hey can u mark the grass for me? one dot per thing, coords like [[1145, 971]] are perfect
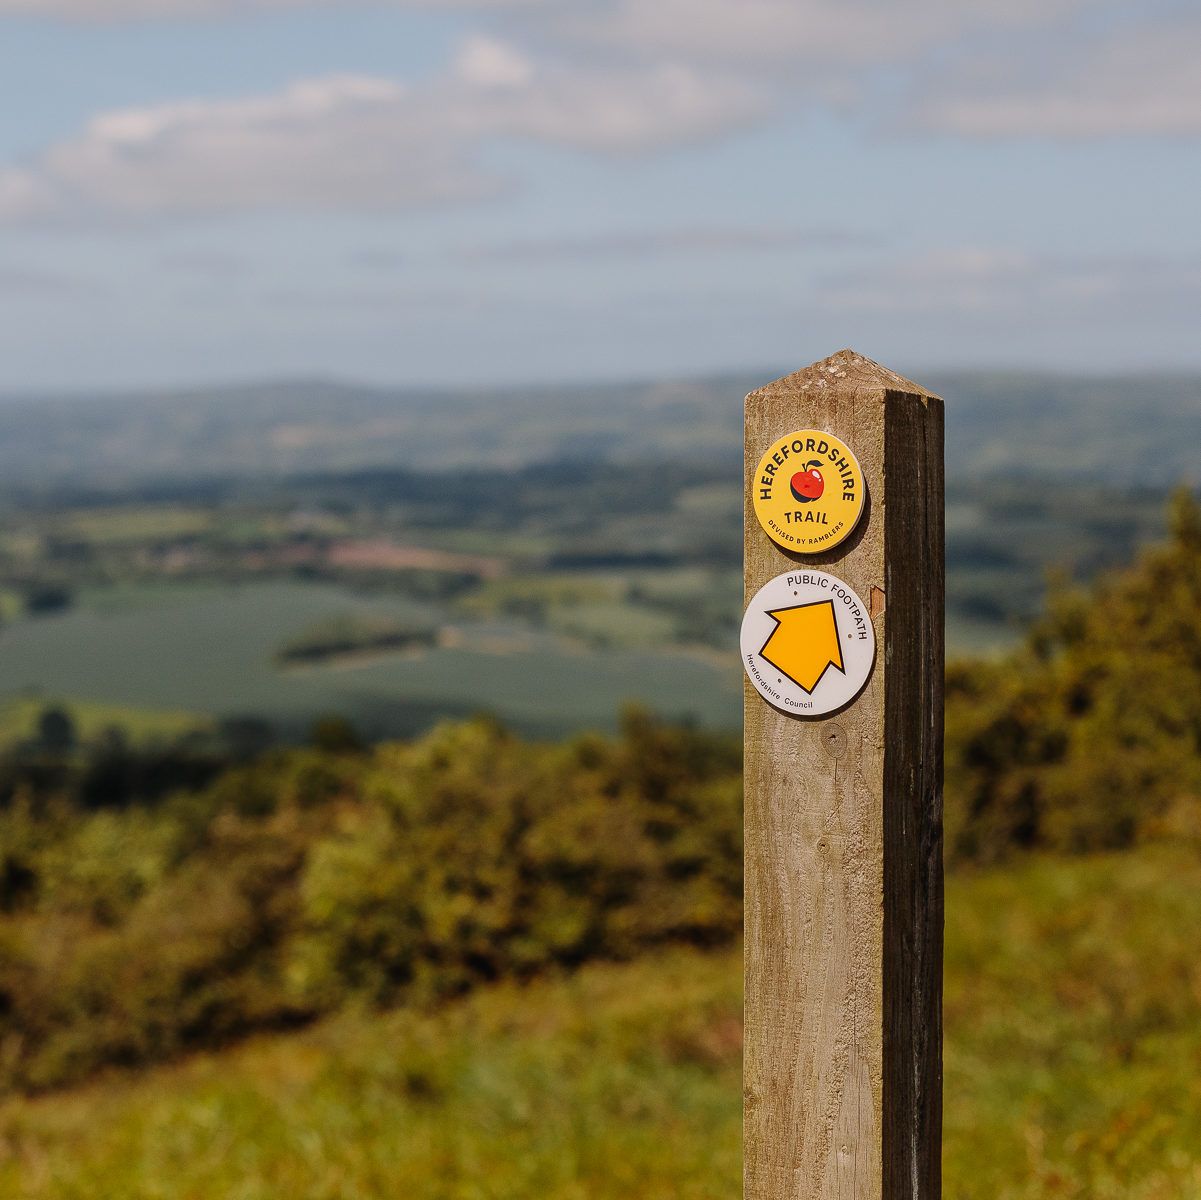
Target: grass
[[221, 643], [138, 523], [19, 718], [570, 1089], [630, 609], [12, 605], [1073, 1016], [1073, 1070]]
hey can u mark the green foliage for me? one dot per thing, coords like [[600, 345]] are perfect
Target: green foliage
[[44, 599], [148, 909], [1072, 1040], [19, 721], [56, 730], [107, 770], [1090, 736], [1073, 1018], [335, 735], [347, 634], [613, 1083], [476, 856], [294, 884], [304, 879]]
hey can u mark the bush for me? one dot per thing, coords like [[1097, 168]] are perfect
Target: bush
[[476, 856], [407, 873], [1091, 733]]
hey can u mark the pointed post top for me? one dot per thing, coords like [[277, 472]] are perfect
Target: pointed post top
[[842, 1075], [845, 369]]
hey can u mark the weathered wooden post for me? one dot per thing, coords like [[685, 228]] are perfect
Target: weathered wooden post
[[843, 649]]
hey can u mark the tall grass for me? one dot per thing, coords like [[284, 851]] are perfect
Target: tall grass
[[1073, 1071]]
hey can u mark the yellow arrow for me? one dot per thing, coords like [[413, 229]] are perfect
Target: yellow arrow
[[804, 643]]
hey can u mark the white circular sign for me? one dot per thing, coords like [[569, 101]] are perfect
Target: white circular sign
[[807, 643]]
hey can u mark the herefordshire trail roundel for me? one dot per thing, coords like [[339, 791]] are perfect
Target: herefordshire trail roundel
[[808, 644], [808, 491]]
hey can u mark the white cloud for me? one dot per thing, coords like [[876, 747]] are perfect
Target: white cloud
[[980, 306], [362, 143], [1142, 82], [105, 11], [319, 144], [827, 34], [964, 66], [487, 62], [496, 91], [613, 77], [855, 30], [985, 282]]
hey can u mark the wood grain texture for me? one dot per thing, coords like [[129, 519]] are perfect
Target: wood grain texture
[[914, 571], [843, 829]]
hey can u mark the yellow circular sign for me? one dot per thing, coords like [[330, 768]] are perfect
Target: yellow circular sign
[[808, 491]]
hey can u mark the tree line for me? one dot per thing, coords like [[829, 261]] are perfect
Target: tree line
[[156, 900]]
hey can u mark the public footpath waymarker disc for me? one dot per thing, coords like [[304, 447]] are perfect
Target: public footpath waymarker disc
[[808, 491], [807, 643]]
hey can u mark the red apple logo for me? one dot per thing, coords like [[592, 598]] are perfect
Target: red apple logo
[[809, 484]]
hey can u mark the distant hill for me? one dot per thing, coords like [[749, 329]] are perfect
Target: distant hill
[[1139, 431], [302, 428]]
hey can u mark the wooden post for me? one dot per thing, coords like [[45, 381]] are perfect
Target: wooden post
[[843, 1059]]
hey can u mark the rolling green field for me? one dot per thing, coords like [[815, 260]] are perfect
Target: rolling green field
[[211, 648], [178, 904], [1073, 1014], [19, 719], [569, 594]]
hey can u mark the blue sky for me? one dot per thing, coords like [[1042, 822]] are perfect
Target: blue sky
[[535, 190]]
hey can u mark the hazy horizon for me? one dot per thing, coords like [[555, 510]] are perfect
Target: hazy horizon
[[551, 191], [182, 388]]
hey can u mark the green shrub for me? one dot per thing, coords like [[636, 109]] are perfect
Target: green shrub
[[476, 856], [408, 873], [1091, 734]]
